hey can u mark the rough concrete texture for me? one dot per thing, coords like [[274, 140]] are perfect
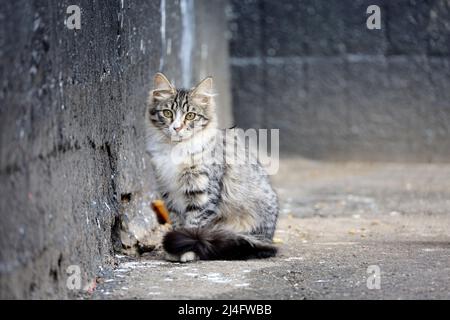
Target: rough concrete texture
[[336, 221], [74, 174], [312, 69]]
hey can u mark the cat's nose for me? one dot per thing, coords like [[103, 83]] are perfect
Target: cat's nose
[[178, 129]]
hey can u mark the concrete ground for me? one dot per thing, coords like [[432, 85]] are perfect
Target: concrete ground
[[336, 221]]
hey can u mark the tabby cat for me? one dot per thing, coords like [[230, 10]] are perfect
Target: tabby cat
[[219, 209]]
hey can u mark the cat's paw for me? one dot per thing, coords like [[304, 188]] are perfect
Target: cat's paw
[[185, 257], [172, 257], [188, 256]]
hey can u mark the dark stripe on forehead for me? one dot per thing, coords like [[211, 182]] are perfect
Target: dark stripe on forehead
[[185, 106], [175, 101], [179, 100], [182, 96]]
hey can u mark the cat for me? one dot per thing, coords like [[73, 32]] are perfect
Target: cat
[[219, 210]]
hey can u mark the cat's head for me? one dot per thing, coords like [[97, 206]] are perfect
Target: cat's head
[[181, 113]]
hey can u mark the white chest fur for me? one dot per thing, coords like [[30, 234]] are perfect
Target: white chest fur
[[172, 160], [168, 176]]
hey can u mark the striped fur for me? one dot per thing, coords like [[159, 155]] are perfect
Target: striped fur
[[219, 210]]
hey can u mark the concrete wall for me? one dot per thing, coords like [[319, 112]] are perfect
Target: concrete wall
[[72, 132], [337, 90]]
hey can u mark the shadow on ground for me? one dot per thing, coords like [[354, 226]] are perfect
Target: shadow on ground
[[336, 221]]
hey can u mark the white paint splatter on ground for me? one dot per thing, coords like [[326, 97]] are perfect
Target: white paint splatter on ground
[[216, 278], [242, 284], [189, 274], [294, 259]]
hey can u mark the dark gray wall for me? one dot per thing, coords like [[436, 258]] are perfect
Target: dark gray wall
[[337, 90], [71, 122]]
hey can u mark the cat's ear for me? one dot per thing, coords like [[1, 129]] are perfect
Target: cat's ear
[[203, 93], [162, 88]]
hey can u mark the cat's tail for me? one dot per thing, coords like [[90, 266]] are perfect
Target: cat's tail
[[216, 244]]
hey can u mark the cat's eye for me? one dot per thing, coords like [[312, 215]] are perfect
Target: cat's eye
[[167, 113], [190, 116]]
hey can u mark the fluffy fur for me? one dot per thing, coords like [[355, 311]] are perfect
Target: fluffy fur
[[215, 244], [220, 209]]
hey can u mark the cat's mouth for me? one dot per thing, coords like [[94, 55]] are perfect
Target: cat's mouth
[[180, 136]]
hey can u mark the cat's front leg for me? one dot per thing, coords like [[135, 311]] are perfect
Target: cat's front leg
[[188, 256]]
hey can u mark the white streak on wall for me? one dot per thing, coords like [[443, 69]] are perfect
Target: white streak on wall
[[187, 41], [169, 46], [163, 34]]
